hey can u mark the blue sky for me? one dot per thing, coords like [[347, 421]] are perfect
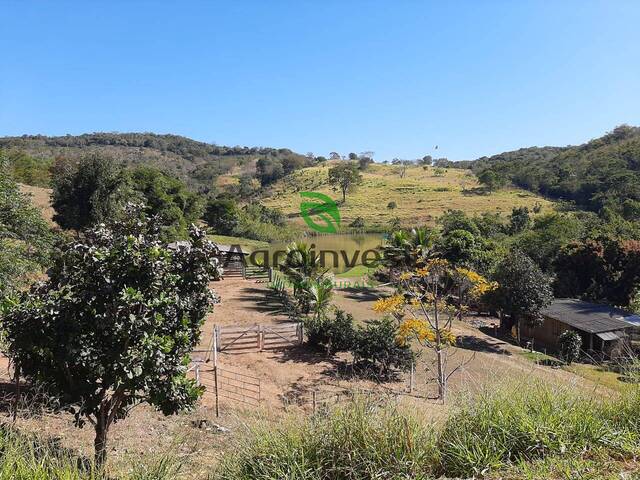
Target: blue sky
[[396, 77]]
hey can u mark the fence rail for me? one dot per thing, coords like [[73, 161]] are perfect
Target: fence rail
[[257, 337], [228, 384]]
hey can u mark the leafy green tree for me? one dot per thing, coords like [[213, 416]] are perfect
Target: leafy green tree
[[457, 220], [405, 250], [221, 215], [269, 170], [26, 242], [166, 199], [345, 177], [523, 291], [492, 180], [114, 323], [519, 219], [88, 191], [570, 344]]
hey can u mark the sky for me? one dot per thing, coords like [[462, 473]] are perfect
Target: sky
[[397, 77]]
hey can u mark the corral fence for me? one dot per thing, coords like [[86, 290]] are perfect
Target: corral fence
[[239, 339], [228, 383]]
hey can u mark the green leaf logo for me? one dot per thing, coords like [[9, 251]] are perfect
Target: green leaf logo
[[326, 209]]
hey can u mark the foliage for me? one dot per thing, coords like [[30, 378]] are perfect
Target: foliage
[[28, 170], [603, 173], [601, 270], [221, 215], [405, 250], [357, 223], [332, 334], [377, 346], [87, 192], [166, 199], [26, 243], [115, 322], [196, 163], [519, 220], [492, 180], [428, 300], [392, 205], [344, 177], [523, 291], [570, 344]]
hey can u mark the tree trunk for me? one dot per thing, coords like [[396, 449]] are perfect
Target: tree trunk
[[344, 195], [100, 444], [442, 379]]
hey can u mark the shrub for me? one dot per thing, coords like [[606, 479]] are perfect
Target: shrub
[[570, 343], [221, 215], [392, 205], [358, 222], [376, 346], [335, 334]]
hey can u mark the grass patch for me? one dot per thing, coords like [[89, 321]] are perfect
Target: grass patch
[[520, 431], [245, 243], [356, 272], [599, 375], [27, 457], [382, 184], [539, 357]]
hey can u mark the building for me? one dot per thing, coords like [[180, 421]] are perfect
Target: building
[[601, 327]]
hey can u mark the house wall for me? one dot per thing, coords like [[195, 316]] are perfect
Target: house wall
[[546, 334]]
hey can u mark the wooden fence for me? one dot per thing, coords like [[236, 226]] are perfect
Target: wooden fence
[[257, 337]]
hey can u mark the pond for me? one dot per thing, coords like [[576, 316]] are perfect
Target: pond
[[339, 253]]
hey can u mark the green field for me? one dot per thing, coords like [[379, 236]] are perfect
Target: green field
[[420, 196]]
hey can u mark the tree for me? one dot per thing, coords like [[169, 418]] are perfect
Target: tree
[[26, 242], [492, 180], [364, 162], [221, 215], [376, 344], [523, 289], [428, 299], [268, 170], [570, 344], [88, 191], [345, 177], [167, 199], [519, 219], [115, 322]]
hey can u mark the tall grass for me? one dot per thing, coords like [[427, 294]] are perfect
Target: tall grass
[[26, 457], [506, 430], [359, 442]]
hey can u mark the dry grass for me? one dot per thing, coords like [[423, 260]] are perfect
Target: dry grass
[[420, 196]]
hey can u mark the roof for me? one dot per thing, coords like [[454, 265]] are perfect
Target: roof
[[588, 317]]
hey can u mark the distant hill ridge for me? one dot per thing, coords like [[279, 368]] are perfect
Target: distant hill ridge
[[602, 173], [196, 162]]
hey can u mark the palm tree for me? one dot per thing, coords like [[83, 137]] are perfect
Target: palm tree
[[407, 249], [301, 264]]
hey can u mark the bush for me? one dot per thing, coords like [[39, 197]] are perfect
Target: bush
[[570, 343], [376, 346], [332, 334], [358, 222], [392, 205]]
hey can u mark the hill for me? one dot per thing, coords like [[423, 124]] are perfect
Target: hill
[[420, 196], [198, 163], [604, 172]]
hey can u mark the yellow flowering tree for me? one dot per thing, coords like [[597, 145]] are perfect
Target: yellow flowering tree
[[428, 299]]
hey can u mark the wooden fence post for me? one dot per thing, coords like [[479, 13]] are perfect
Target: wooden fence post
[[198, 374], [17, 399], [313, 400], [411, 377], [215, 345], [215, 381]]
